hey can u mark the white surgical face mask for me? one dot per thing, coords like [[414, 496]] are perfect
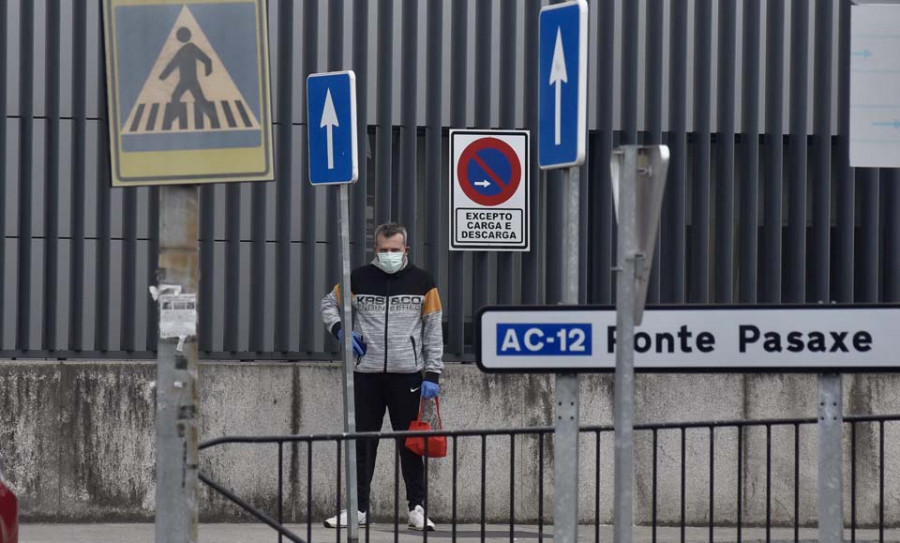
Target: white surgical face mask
[[390, 262]]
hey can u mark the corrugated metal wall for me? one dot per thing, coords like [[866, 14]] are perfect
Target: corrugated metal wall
[[752, 97]]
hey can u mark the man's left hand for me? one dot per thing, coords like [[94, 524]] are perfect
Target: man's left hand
[[430, 389]]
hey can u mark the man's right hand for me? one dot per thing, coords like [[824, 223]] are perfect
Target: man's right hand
[[359, 346]]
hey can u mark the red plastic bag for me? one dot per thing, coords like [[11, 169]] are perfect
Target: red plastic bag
[[437, 445]]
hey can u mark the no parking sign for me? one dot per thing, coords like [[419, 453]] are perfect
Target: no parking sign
[[489, 190]]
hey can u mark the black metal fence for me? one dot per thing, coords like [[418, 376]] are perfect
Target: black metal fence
[[678, 488], [752, 97]]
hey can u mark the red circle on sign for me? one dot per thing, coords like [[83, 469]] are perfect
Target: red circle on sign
[[507, 189]]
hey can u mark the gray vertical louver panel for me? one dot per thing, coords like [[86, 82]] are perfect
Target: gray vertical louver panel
[[433, 182], [284, 176], [771, 288], [335, 63], [842, 259], [4, 126], [409, 53], [359, 193], [384, 131], [752, 98], [52, 144], [483, 54], [310, 297], [891, 271], [820, 250], [458, 64], [653, 111], [748, 249], [724, 177], [673, 248], [795, 247], [26, 167], [531, 261], [700, 254], [509, 15]]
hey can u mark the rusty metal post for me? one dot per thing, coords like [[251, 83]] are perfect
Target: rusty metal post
[[178, 281]]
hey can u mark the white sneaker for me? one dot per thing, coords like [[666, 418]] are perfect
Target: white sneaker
[[333, 521], [417, 520]]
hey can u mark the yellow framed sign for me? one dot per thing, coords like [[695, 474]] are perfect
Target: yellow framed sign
[[189, 91]]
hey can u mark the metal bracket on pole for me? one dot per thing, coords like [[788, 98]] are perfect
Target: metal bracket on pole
[[831, 481], [347, 348], [565, 446]]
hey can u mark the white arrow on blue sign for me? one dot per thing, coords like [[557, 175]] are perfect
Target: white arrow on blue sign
[[331, 112], [562, 125]]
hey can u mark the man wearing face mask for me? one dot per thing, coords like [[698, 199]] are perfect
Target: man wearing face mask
[[398, 343]]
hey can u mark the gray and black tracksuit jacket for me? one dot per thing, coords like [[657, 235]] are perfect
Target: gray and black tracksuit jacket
[[399, 316]]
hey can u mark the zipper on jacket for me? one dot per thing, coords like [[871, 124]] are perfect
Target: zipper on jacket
[[387, 308], [415, 352]]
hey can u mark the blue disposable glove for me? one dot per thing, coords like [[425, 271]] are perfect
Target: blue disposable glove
[[430, 389], [359, 346]]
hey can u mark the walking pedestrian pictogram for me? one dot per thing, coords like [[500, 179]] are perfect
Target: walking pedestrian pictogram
[[189, 91], [189, 88]]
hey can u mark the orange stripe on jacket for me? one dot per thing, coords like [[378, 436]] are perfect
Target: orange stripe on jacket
[[432, 302], [337, 294]]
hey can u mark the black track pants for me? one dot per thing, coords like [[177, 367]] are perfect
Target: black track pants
[[400, 394]]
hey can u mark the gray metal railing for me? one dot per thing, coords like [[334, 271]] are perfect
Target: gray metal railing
[[690, 500]]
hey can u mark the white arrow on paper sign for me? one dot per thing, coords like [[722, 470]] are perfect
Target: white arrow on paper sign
[[329, 121], [558, 76], [484, 183]]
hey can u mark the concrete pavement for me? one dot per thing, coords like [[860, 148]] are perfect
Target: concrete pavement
[[384, 533]]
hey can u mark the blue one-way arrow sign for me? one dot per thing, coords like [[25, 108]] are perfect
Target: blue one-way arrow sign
[[331, 112], [563, 85]]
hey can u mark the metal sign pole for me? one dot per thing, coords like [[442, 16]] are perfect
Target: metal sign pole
[[624, 380], [176, 382], [831, 481], [349, 405], [565, 464]]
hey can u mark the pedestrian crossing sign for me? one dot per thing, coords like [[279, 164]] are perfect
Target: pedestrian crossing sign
[[188, 88]]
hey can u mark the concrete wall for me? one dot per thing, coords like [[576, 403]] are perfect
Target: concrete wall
[[77, 439]]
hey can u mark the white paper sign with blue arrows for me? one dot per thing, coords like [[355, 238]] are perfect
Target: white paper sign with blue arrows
[[875, 86], [331, 112], [562, 126]]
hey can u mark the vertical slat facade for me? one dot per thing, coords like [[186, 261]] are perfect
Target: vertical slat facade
[[309, 296], [26, 167], [483, 55], [771, 287], [795, 246], [748, 250], [724, 179], [4, 128], [51, 176], [673, 241], [531, 263], [507, 105], [699, 285], [653, 86], [456, 305], [752, 98]]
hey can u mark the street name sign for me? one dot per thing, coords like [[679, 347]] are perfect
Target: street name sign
[[562, 116], [331, 110], [489, 190], [828, 338], [188, 87]]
